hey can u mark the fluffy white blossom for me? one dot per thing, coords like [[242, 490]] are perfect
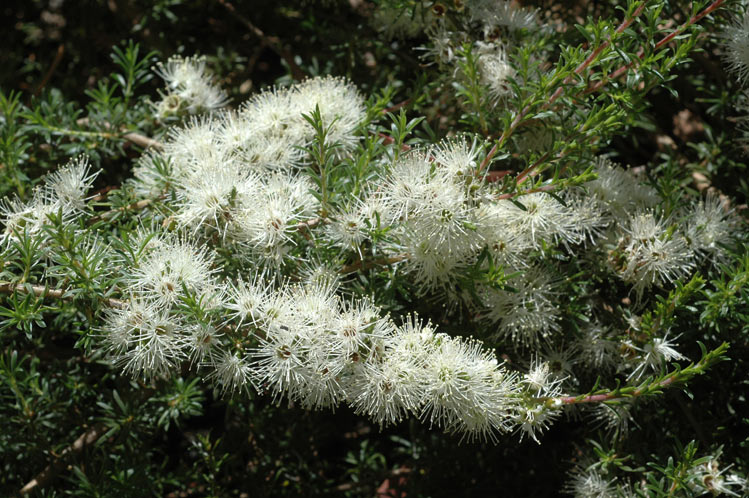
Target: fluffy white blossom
[[62, 194], [495, 69], [709, 477], [173, 270], [736, 44], [524, 311], [189, 86], [710, 225], [651, 252], [591, 483], [619, 190], [654, 354], [493, 13]]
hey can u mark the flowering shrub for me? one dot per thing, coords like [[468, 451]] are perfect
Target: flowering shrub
[[470, 251]]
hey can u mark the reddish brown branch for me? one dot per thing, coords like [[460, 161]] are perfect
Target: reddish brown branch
[[396, 106], [560, 90], [666, 39], [599, 398]]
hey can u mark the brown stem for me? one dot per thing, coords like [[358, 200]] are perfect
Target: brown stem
[[44, 292], [365, 265], [55, 62], [44, 477], [272, 41], [142, 140], [626, 67], [130, 136], [396, 106], [560, 90]]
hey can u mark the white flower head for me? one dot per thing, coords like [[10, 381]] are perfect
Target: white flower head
[[710, 225], [68, 186], [189, 85], [505, 13], [619, 190], [710, 478], [736, 43], [526, 312], [155, 344], [657, 351], [590, 483], [458, 157], [495, 69], [173, 267], [650, 253], [341, 107], [230, 372]]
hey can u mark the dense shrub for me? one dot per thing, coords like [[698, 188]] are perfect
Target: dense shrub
[[388, 247]]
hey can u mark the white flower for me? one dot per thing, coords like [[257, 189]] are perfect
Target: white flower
[[388, 390], [193, 145], [736, 54], [230, 371], [457, 157], [613, 417], [202, 341], [68, 186], [172, 268], [502, 13], [281, 362], [463, 391], [155, 341], [495, 69], [708, 477], [656, 352], [341, 107], [649, 253], [30, 218], [526, 312], [543, 219], [710, 225], [247, 300], [214, 196], [596, 348], [590, 483], [189, 84], [542, 381], [619, 190]]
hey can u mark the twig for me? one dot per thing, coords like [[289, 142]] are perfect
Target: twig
[[272, 41], [560, 90], [55, 62], [130, 136], [130, 207], [44, 292], [396, 106], [365, 265], [142, 140], [44, 477], [626, 67], [677, 376]]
